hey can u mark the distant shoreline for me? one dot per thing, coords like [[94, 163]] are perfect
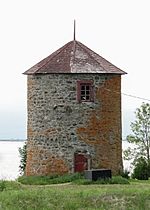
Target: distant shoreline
[[13, 140]]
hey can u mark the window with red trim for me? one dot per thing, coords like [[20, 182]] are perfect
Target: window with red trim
[[85, 91]]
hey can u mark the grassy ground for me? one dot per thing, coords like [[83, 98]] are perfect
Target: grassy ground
[[76, 178], [16, 196]]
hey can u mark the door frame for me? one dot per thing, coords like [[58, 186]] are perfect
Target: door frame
[[85, 155]]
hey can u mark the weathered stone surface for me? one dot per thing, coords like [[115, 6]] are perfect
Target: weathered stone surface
[[59, 126]]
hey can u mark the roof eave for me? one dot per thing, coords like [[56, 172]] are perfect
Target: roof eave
[[38, 73]]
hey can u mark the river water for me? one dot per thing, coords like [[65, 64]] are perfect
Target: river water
[[10, 159]]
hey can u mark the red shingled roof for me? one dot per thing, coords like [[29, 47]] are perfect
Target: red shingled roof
[[74, 57]]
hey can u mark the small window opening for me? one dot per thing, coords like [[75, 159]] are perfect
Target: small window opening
[[85, 91]]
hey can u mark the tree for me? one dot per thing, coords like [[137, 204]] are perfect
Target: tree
[[140, 137]]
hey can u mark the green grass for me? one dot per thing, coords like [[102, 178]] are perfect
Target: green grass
[[45, 180], [76, 178], [136, 181], [75, 197], [114, 180], [9, 185]]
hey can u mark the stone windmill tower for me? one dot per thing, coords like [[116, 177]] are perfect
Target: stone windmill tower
[[74, 113]]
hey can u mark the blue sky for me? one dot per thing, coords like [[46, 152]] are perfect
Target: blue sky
[[118, 30]]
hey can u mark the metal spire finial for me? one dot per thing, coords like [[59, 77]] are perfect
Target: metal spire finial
[[74, 34]]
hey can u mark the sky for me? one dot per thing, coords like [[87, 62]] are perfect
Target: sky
[[118, 30]]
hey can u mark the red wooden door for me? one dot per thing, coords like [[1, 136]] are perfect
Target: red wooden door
[[80, 163]]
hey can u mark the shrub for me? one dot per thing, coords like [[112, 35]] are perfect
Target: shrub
[[2, 185], [23, 155], [141, 170], [125, 174], [119, 180]]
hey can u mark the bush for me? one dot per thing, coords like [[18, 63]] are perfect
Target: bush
[[2, 185], [119, 180], [23, 155], [141, 170], [125, 174]]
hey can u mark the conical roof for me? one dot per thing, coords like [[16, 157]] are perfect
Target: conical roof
[[74, 57]]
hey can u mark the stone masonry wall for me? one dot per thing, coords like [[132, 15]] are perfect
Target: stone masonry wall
[[59, 126]]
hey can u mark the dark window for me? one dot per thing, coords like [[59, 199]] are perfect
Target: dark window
[[85, 91]]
